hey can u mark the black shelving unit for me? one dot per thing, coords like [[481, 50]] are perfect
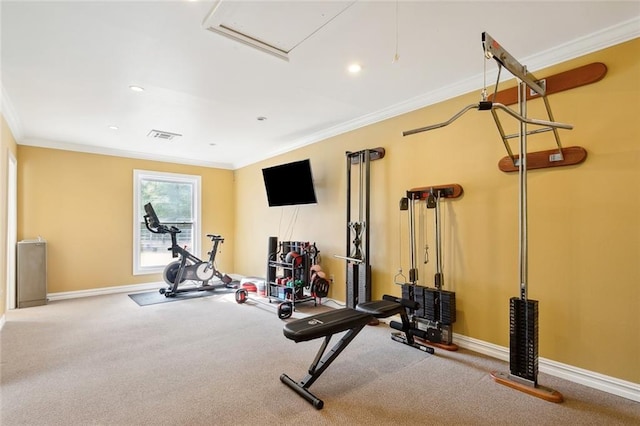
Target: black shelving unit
[[289, 271]]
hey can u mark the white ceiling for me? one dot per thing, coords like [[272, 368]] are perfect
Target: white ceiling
[[66, 67]]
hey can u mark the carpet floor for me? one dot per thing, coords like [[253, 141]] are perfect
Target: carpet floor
[[104, 360]]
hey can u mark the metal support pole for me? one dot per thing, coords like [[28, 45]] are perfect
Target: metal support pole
[[413, 271], [348, 242], [522, 174], [439, 277], [367, 213]]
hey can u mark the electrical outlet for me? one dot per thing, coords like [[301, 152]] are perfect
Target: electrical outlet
[[331, 277]]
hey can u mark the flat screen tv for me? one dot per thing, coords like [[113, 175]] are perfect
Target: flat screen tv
[[289, 184]]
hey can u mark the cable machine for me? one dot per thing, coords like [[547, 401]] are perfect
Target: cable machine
[[358, 230], [433, 320], [523, 315]]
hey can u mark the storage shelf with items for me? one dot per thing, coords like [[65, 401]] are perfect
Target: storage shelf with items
[[289, 271]]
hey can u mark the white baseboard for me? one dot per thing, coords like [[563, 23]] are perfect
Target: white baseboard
[[105, 290], [584, 377], [573, 374], [115, 289]]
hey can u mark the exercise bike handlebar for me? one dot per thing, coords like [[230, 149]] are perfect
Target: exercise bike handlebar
[[160, 228], [153, 224]]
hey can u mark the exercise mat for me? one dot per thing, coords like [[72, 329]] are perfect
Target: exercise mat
[[154, 297]]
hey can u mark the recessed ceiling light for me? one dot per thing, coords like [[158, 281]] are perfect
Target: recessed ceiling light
[[212, 144], [137, 88], [354, 68], [113, 127], [261, 118]]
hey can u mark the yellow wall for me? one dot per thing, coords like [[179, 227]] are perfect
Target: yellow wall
[[7, 147], [82, 205], [584, 232]]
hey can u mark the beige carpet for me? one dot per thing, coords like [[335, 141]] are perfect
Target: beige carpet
[[107, 361]]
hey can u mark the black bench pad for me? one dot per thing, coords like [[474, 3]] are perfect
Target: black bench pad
[[324, 324], [380, 308]]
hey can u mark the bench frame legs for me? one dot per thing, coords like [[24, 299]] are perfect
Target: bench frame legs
[[320, 364]]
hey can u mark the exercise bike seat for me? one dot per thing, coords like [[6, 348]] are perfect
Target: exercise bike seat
[[325, 324], [380, 308]]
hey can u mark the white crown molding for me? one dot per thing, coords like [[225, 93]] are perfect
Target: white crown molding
[[579, 47], [92, 149], [10, 116], [594, 42], [584, 45]]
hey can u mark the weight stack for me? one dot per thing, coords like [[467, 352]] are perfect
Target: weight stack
[[523, 339], [358, 284], [352, 288], [440, 306], [447, 307], [430, 304], [364, 283], [408, 294], [419, 297]]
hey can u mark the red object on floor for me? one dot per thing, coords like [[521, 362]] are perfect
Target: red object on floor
[[251, 287]]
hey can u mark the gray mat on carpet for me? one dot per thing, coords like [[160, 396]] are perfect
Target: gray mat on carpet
[[154, 297]]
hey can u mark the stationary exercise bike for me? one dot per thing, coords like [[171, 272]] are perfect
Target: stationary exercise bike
[[188, 267]]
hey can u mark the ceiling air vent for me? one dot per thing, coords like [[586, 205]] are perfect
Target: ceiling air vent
[[159, 134]]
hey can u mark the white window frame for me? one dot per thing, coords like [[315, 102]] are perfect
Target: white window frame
[[138, 215]]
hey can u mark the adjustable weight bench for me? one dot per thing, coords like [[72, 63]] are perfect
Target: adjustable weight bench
[[352, 321]]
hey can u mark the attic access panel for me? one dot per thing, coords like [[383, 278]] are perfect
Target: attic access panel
[[272, 27]]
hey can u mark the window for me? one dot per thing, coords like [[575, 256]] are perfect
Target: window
[[176, 201]]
